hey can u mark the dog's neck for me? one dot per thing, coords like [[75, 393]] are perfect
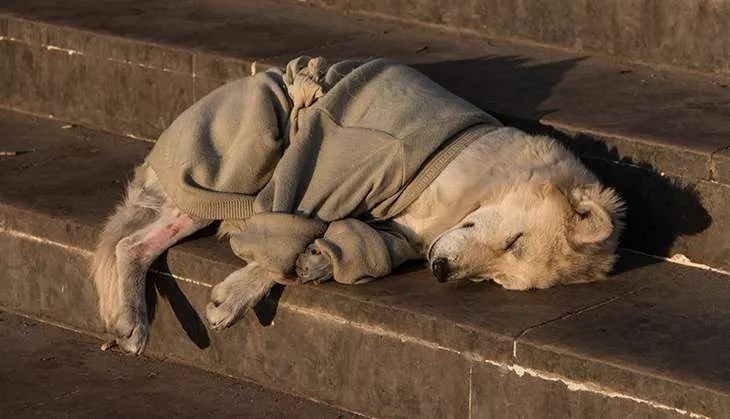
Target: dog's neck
[[461, 188]]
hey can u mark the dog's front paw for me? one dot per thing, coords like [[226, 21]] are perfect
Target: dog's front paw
[[130, 331], [242, 290], [228, 304], [313, 266]]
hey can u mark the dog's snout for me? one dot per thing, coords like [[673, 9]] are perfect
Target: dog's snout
[[440, 269]]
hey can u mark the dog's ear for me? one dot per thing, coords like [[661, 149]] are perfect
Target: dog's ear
[[591, 222]]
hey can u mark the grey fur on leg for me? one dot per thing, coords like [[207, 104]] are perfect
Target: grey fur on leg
[[138, 208], [239, 292], [142, 227]]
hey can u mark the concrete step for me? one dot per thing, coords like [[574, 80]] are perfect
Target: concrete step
[[126, 66], [648, 342], [49, 372], [691, 34]]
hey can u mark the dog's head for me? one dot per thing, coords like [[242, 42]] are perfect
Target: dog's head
[[534, 236]]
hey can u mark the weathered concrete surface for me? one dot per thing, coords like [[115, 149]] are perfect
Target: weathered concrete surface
[[202, 40], [720, 166], [685, 33], [657, 136], [404, 346], [501, 393], [47, 372], [639, 332]]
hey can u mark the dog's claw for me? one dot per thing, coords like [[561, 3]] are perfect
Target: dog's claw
[[221, 316], [233, 297], [129, 332], [108, 345], [135, 342], [313, 266]]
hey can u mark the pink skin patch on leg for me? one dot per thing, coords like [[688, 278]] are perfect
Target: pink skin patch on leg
[[156, 240]]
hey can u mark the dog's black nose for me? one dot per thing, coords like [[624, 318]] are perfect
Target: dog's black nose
[[440, 269]]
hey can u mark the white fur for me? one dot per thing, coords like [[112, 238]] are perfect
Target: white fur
[[145, 225], [511, 183]]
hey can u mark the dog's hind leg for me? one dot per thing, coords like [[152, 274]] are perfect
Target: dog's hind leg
[[135, 253], [142, 228]]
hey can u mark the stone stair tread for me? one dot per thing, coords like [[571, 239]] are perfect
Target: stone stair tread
[[51, 372], [681, 112], [654, 330]]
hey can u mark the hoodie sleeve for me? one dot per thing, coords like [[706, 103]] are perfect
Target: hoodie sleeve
[[274, 240], [360, 253]]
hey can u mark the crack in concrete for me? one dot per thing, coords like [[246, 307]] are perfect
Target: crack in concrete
[[571, 314], [138, 138], [36, 239], [69, 51], [711, 168], [180, 278], [519, 370], [471, 386], [588, 308], [590, 387], [674, 259]]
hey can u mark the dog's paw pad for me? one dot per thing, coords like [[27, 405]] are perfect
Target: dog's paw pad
[[220, 316], [131, 336], [229, 302]]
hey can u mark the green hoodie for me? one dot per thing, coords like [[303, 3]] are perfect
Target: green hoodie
[[358, 139]]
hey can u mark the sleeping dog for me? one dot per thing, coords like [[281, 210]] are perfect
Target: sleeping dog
[[343, 172]]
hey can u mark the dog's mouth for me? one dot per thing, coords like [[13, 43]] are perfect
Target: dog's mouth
[[429, 253], [440, 269], [443, 271], [439, 266]]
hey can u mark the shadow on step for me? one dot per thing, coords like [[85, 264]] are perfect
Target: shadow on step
[[165, 287], [660, 209], [501, 83]]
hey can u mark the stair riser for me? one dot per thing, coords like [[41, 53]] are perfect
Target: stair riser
[[306, 352]]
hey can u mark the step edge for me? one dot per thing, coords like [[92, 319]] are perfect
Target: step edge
[[511, 364], [546, 121]]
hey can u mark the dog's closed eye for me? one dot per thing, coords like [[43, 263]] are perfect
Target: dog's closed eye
[[467, 225], [510, 244]]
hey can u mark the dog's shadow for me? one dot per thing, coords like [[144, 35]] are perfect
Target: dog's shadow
[[162, 284], [523, 85], [660, 208]]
